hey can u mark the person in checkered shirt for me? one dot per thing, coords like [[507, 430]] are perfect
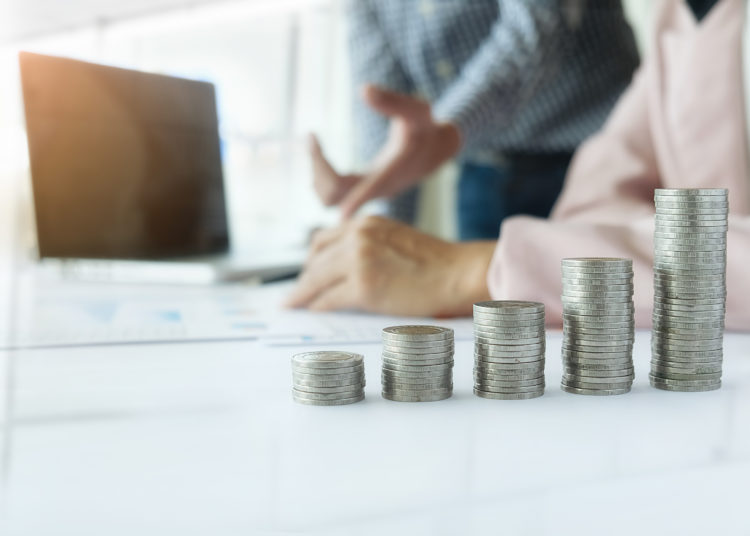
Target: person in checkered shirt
[[509, 88]]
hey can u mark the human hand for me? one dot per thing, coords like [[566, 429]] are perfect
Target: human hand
[[416, 146], [382, 266], [330, 186]]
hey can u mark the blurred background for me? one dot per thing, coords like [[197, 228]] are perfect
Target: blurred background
[[280, 68]]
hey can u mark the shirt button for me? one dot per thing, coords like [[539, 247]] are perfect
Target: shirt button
[[445, 69]]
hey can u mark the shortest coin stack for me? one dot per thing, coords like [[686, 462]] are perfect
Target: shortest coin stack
[[328, 378], [509, 350], [417, 363]]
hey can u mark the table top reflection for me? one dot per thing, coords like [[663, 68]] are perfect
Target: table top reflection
[[205, 438]]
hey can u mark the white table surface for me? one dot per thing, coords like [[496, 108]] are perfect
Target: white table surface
[[205, 439]]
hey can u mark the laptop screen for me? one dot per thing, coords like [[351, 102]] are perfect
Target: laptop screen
[[124, 164]]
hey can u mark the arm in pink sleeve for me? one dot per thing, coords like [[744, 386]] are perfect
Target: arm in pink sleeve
[[605, 209]]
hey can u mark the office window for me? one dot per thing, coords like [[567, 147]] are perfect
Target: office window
[[280, 71]]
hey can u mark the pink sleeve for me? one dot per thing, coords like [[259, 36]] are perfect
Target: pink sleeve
[[606, 209]]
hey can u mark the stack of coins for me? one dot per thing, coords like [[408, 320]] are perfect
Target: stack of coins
[[328, 378], [690, 247], [417, 363], [509, 349], [598, 326]]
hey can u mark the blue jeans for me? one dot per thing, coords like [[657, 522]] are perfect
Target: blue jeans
[[527, 184]]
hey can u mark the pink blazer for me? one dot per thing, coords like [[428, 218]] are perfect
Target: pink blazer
[[680, 124]]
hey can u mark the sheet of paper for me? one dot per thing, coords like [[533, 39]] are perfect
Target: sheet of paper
[[49, 314]]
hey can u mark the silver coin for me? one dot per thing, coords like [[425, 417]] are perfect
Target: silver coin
[[507, 325], [329, 383], [353, 389], [594, 392], [327, 359], [680, 383], [421, 363], [691, 268], [597, 284], [692, 354], [712, 304], [695, 286], [587, 285], [397, 375], [416, 392], [509, 368], [687, 338], [512, 307], [583, 322], [503, 341], [583, 330], [693, 255], [669, 330], [596, 352], [619, 338], [339, 402], [417, 367], [427, 350], [595, 381], [682, 279], [512, 319], [696, 217], [612, 296], [325, 396], [419, 398], [692, 200], [480, 359], [610, 307], [485, 388], [328, 372], [615, 386], [418, 357], [663, 369], [510, 337], [605, 262], [409, 346], [599, 367], [701, 244], [660, 368], [531, 351], [509, 333], [665, 387], [672, 376], [664, 345], [685, 361], [535, 382], [614, 364], [508, 396], [597, 346], [349, 376], [480, 375], [687, 295], [690, 192], [585, 372], [390, 386], [706, 210], [417, 333]]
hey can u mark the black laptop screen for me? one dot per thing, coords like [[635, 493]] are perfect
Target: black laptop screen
[[124, 164]]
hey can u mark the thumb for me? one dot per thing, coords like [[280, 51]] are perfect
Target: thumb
[[394, 104], [319, 160]]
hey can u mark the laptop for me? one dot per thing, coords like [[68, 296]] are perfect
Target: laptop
[[127, 178]]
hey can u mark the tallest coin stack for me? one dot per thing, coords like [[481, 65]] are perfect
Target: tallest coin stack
[[690, 249]]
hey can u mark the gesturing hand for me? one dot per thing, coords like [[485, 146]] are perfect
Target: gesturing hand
[[415, 147], [378, 265]]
